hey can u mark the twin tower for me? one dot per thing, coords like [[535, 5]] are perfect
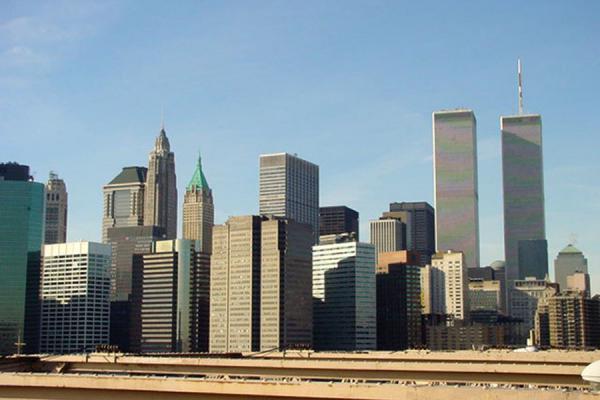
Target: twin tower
[[141, 196]]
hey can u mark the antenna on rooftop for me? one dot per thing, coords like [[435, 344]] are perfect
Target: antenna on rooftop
[[520, 87]]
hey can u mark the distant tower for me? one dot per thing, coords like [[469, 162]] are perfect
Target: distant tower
[[289, 187], [455, 183], [160, 204], [56, 210], [569, 261], [525, 244], [198, 210]]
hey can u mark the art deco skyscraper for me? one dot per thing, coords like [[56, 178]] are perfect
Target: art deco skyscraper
[[523, 189], [124, 200], [455, 183], [198, 210], [289, 187], [56, 210], [160, 203]]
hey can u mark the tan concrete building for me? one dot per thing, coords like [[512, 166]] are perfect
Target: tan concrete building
[[198, 210], [573, 321], [453, 270], [56, 210], [160, 202], [485, 295], [580, 282], [260, 285], [388, 234]]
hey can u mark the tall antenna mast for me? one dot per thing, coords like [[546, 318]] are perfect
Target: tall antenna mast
[[520, 87]]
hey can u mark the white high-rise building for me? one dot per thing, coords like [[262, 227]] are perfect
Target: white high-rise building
[[388, 234], [75, 294], [344, 295], [453, 278], [289, 187]]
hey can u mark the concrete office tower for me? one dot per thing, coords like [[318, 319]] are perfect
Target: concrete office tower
[[336, 220], [75, 291], [56, 210], [344, 295], [398, 301], [388, 234], [493, 273], [260, 284], [172, 293], [124, 200], [523, 190], [453, 270], [126, 242], [289, 187], [420, 228], [579, 282], [526, 294], [569, 260], [455, 183], [485, 297], [198, 210], [160, 202], [21, 235]]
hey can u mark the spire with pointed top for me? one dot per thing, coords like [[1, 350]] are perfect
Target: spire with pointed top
[[520, 86], [162, 142], [198, 181]]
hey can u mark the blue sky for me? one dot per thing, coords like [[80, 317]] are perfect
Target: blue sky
[[349, 85]]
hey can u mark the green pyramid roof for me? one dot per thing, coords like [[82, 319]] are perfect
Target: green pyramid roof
[[570, 249], [198, 180]]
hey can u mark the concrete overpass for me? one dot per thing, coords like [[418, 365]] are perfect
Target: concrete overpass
[[294, 375]]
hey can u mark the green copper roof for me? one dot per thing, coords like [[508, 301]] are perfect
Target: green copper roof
[[570, 249], [198, 180]]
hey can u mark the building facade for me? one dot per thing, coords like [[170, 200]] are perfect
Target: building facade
[[398, 303], [198, 210], [124, 200], [160, 200], [452, 268], [75, 293], [56, 210], [579, 282], [455, 183], [532, 258], [21, 235], [289, 188], [260, 285], [526, 295], [568, 261], [523, 193], [388, 234], [344, 295], [126, 242], [420, 230], [174, 297], [336, 220]]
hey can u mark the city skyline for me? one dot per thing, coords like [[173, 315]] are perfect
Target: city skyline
[[376, 171]]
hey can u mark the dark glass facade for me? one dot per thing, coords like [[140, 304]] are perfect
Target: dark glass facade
[[21, 235], [421, 229], [533, 258], [336, 220]]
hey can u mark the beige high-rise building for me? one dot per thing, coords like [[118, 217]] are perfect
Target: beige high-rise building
[[56, 210], [388, 234], [260, 285], [160, 202], [124, 200], [453, 271], [198, 210], [579, 282]]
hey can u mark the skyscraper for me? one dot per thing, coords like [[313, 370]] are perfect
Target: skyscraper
[[160, 202], [198, 210], [21, 235], [124, 200], [289, 187], [173, 297], [56, 210], [75, 297], [568, 261], [455, 284], [260, 284], [420, 228], [523, 192], [455, 183], [344, 295], [336, 220], [388, 234]]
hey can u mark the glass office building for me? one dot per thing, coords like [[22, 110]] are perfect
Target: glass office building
[[21, 235]]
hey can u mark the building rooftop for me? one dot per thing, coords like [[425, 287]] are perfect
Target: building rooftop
[[130, 175], [198, 181], [570, 249]]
